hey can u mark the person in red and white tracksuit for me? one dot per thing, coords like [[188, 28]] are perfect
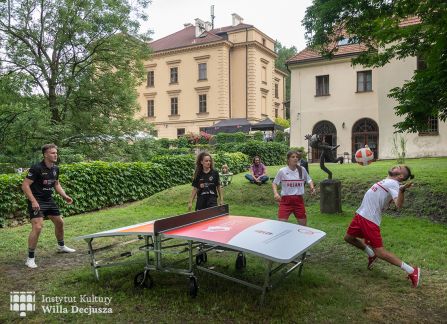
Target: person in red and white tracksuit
[[292, 179], [366, 222]]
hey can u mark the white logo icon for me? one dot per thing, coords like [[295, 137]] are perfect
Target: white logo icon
[[22, 302], [213, 229]]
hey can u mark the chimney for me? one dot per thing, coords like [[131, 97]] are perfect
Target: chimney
[[237, 19], [208, 26], [186, 25], [200, 27]]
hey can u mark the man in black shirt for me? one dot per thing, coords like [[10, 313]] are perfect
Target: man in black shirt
[[38, 186]]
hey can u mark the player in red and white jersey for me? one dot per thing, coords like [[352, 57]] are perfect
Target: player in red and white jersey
[[366, 222], [292, 179]]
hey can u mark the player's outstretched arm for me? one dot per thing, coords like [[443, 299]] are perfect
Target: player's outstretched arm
[[399, 201]]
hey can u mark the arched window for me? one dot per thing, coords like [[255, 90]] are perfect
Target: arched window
[[365, 132], [329, 132]]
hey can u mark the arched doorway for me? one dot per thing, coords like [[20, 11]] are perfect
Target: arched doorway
[[365, 132], [329, 132]]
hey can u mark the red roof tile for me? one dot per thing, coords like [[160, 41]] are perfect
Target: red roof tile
[[410, 21], [310, 55], [186, 37]]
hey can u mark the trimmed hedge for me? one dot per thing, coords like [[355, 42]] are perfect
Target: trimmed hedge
[[96, 185], [271, 153]]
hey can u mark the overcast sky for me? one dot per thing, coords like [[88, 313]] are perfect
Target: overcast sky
[[280, 19]]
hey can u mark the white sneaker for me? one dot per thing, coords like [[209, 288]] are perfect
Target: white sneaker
[[65, 249], [30, 263]]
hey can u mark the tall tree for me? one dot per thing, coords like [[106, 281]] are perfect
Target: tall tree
[[85, 58], [378, 25], [284, 54]]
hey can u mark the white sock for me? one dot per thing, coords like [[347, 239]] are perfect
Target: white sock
[[369, 251], [407, 268]]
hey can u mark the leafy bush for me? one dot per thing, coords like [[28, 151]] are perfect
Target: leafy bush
[[238, 137], [96, 185], [6, 168], [258, 136], [271, 153], [163, 142], [279, 136], [282, 122]]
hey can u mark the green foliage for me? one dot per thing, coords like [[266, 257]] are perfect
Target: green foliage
[[284, 54], [300, 149], [164, 142], [282, 122], [97, 185], [6, 168], [376, 24], [238, 137], [271, 153], [75, 68], [237, 162], [399, 148], [279, 136], [258, 136]]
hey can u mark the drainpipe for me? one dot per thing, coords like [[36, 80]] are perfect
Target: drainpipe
[[229, 83], [246, 73]]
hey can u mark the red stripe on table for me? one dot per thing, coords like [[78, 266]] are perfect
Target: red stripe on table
[[220, 230]]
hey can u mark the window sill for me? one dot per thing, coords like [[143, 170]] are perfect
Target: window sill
[[173, 83], [151, 117], [323, 95], [364, 91], [202, 113], [429, 134], [174, 116], [202, 80], [150, 86]]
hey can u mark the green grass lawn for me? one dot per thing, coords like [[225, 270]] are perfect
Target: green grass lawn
[[334, 287]]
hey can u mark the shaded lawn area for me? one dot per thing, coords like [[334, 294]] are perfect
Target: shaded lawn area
[[334, 287]]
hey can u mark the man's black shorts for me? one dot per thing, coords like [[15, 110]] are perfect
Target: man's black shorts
[[47, 208]]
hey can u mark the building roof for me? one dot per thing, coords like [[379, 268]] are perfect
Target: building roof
[[309, 54], [186, 37], [266, 124], [410, 21]]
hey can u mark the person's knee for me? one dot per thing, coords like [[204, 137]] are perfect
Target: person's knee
[[380, 252], [58, 221], [348, 238], [37, 227]]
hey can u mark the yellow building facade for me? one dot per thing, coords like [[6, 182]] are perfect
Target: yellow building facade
[[199, 76]]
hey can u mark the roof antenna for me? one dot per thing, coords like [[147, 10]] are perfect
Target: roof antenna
[[212, 17]]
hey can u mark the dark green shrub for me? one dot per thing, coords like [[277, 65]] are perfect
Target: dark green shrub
[[238, 137], [258, 136], [96, 185]]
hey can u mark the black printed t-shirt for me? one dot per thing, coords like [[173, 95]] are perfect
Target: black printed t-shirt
[[44, 180], [210, 180]]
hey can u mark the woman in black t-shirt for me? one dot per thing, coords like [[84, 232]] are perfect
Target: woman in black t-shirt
[[205, 184]]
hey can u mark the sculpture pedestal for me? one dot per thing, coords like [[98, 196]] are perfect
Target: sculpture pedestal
[[330, 196]]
